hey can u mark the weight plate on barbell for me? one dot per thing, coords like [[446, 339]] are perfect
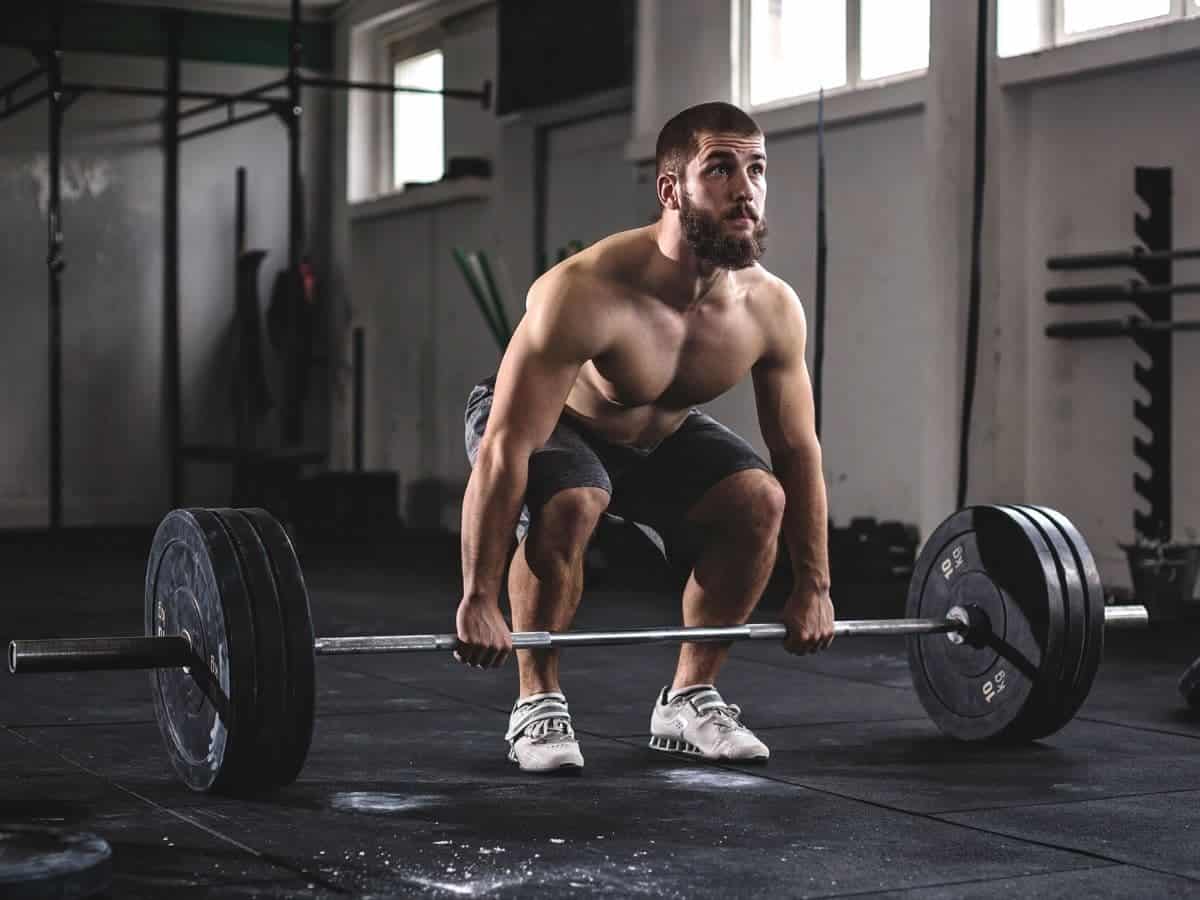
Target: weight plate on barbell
[[1056, 689], [194, 587], [299, 642], [272, 668], [992, 562], [1093, 587]]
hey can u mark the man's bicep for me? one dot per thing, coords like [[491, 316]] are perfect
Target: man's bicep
[[786, 412], [783, 389]]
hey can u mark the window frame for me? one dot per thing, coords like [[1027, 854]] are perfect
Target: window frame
[[1180, 9], [854, 79]]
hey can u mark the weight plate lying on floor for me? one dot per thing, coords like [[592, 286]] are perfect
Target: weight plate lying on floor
[[298, 640], [46, 863], [993, 563], [195, 587], [270, 653]]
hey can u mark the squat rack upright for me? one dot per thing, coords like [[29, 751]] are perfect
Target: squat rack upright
[[60, 95]]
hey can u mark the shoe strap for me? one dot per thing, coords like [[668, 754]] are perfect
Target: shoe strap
[[526, 714], [550, 730], [705, 700]]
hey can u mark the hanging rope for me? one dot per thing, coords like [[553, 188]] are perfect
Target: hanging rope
[[972, 354]]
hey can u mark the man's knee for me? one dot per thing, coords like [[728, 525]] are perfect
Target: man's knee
[[563, 527], [747, 504]]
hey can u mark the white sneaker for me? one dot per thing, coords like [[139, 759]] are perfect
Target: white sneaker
[[700, 723], [540, 737]]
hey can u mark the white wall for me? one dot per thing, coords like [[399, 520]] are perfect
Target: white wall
[[114, 456], [1086, 137]]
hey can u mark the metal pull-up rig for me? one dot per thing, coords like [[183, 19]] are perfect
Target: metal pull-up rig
[[267, 100]]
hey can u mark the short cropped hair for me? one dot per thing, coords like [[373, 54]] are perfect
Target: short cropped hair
[[679, 140]]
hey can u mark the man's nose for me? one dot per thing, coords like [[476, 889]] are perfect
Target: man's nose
[[741, 187]]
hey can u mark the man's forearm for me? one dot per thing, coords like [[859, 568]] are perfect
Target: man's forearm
[[806, 515], [491, 506]]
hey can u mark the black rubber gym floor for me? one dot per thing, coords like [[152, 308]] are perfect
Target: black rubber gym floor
[[407, 791]]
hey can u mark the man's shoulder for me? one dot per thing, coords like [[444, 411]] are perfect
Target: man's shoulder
[[768, 291], [611, 263], [778, 312], [614, 258]]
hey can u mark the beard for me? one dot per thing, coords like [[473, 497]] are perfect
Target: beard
[[710, 240]]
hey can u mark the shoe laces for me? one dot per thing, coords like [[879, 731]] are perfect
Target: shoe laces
[[726, 716], [711, 707], [546, 731]]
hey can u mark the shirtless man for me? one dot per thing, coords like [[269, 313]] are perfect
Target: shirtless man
[[592, 409]]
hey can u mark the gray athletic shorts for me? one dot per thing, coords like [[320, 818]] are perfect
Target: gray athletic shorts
[[654, 487]]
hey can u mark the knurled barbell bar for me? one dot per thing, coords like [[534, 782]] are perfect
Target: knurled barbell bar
[[1005, 623]]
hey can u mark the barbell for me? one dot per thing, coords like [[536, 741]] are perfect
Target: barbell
[[1005, 626]]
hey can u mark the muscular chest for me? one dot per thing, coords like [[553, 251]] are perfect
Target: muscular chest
[[678, 359]]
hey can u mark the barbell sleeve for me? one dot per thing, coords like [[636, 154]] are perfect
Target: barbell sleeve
[[99, 653], [1132, 616]]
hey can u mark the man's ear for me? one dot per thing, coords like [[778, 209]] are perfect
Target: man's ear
[[668, 191]]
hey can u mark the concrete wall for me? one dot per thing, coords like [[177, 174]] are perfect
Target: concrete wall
[[1086, 135], [115, 463]]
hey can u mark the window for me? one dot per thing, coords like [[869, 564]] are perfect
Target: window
[[1025, 26], [793, 48], [796, 48], [1079, 16], [418, 121], [1020, 26], [895, 37]]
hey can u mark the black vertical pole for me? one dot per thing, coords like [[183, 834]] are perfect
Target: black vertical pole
[[822, 256], [54, 261], [292, 417], [171, 348], [359, 370], [240, 217], [241, 368]]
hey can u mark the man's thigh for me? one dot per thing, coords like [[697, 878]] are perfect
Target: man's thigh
[[565, 461]]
